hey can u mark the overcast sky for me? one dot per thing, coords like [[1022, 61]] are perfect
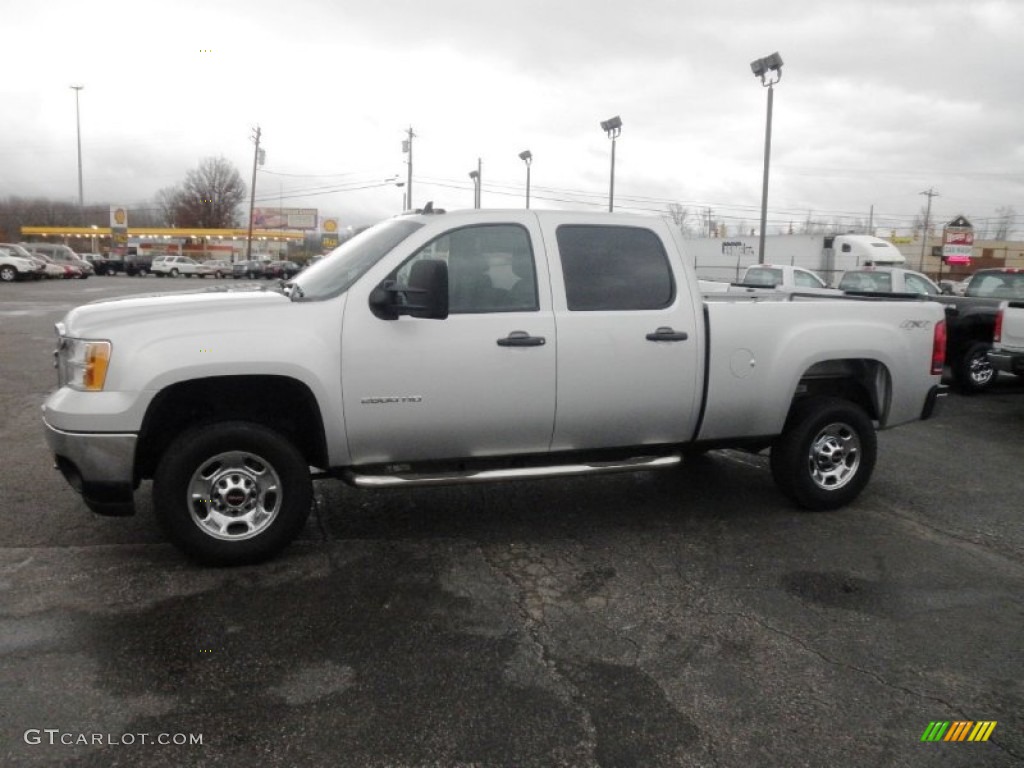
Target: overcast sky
[[878, 102]]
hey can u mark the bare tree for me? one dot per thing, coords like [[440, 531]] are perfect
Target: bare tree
[[208, 198], [680, 215], [1005, 216]]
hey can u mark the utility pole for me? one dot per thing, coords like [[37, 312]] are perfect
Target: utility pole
[[407, 148], [78, 130], [927, 217], [252, 196]]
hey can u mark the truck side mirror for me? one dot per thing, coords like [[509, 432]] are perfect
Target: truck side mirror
[[426, 296]]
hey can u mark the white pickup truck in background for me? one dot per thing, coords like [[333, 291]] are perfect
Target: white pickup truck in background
[[1007, 353], [465, 347]]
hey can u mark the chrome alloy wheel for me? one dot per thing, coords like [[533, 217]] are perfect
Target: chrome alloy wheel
[[234, 496], [834, 456], [980, 370]]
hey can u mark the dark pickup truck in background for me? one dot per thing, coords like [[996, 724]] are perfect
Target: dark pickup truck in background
[[136, 263], [971, 322]]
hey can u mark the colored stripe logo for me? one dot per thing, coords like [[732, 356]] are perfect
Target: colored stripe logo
[[958, 730]]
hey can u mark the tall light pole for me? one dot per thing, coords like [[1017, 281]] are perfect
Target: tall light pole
[[769, 69], [78, 131], [613, 127], [527, 157], [927, 215], [407, 149], [475, 176]]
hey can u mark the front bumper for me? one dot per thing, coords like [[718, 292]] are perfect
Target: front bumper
[[97, 465], [1009, 362]]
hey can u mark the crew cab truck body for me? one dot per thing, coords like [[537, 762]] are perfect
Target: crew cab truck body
[[467, 347], [1007, 353]]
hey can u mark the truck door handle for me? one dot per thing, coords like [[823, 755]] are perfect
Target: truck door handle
[[667, 334], [522, 339]]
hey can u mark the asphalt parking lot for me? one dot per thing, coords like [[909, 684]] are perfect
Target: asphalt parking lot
[[683, 618]]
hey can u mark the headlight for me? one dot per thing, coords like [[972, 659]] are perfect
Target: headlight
[[82, 363]]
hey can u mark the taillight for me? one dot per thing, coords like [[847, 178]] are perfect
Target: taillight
[[998, 333], [939, 348]]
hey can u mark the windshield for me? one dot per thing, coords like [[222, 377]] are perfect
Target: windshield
[[997, 285], [336, 272]]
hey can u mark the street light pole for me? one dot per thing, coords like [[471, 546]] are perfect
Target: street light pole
[[78, 131], [613, 127], [769, 70], [527, 157], [475, 176]]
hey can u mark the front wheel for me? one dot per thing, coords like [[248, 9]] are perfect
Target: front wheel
[[8, 274], [232, 493], [825, 454], [972, 370]]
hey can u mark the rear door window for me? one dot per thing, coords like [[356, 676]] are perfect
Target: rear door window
[[614, 268]]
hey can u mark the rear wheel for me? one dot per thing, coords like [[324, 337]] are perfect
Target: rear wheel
[[972, 370], [232, 493], [174, 273], [825, 454]]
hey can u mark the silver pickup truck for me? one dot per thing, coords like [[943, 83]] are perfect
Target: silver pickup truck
[[1007, 353], [466, 347]]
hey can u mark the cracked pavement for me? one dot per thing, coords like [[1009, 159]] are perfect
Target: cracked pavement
[[680, 618]]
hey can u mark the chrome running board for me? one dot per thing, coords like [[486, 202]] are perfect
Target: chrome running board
[[411, 479]]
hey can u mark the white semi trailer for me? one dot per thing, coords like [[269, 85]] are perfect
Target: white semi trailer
[[828, 255]]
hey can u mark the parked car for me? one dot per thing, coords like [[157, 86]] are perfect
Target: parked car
[[103, 265], [218, 267], [172, 266], [14, 266], [282, 270], [136, 263], [62, 255], [888, 280], [16, 250], [1007, 353], [250, 269], [51, 270], [784, 275]]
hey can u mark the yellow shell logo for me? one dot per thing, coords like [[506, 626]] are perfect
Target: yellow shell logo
[[120, 216], [330, 225]]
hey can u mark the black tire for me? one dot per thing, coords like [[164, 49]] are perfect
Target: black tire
[[8, 274], [972, 370], [825, 454], [174, 273], [256, 488]]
